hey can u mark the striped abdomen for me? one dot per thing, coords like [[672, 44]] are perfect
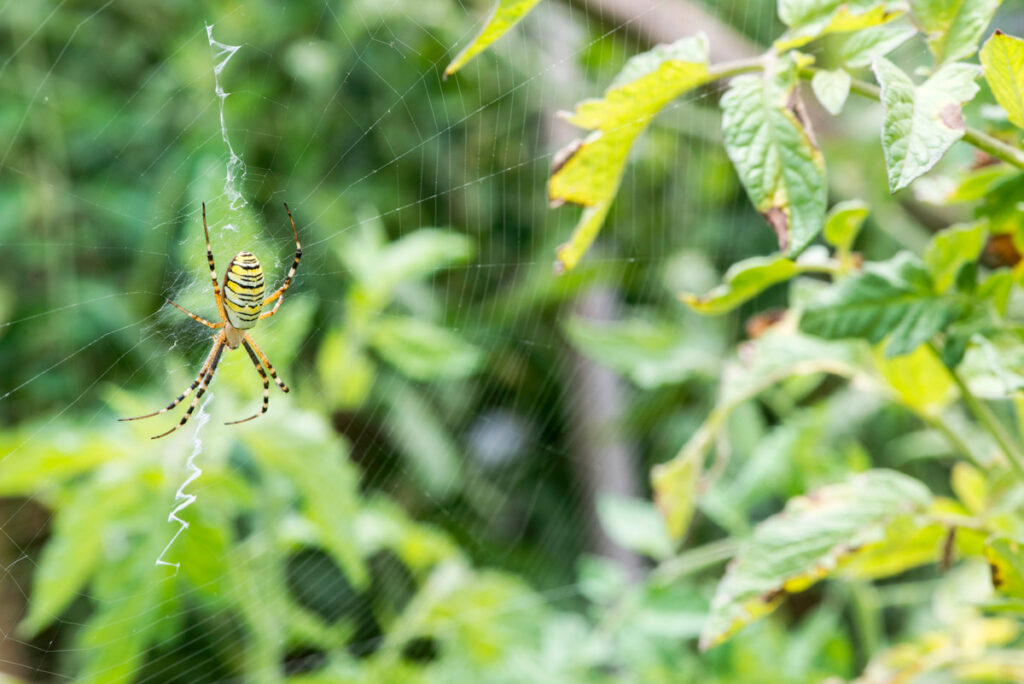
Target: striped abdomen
[[243, 290]]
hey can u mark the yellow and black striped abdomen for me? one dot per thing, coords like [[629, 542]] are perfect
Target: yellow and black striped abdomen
[[243, 290]]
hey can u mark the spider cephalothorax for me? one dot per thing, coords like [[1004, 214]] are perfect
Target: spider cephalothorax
[[239, 306]]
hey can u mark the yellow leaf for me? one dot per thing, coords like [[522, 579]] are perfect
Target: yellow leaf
[[588, 173], [1003, 59], [504, 16]]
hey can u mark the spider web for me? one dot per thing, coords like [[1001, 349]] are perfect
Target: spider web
[[341, 112]]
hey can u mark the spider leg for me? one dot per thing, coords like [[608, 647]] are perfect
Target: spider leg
[[295, 264], [213, 269], [266, 362], [217, 342], [202, 390], [266, 386], [273, 311], [195, 317]]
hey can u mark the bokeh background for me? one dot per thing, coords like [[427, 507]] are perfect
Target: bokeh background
[[456, 488]]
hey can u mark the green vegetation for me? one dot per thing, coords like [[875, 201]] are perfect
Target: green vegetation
[[832, 490]]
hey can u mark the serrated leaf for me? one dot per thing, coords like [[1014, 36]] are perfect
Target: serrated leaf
[[743, 281], [831, 88], [953, 27], [953, 248], [921, 122], [894, 299], [422, 350], [1002, 56], [843, 223], [770, 143], [809, 19], [505, 15], [861, 48], [1006, 562], [811, 539], [634, 524], [588, 173]]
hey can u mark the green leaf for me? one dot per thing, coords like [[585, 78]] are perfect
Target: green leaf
[[843, 223], [861, 48], [770, 143], [921, 122], [76, 547], [743, 281], [953, 27], [1006, 562], [971, 487], [505, 15], [634, 524], [894, 299], [919, 380], [651, 354], [420, 435], [588, 172], [422, 350], [811, 539], [766, 362], [953, 248], [831, 88], [809, 19], [1002, 56]]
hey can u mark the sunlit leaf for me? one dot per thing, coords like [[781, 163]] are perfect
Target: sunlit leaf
[[743, 281], [505, 15], [809, 19], [1002, 56], [588, 173], [895, 299], [843, 223], [768, 138], [951, 249], [1006, 562], [831, 88], [811, 539], [953, 27], [860, 49], [919, 379], [921, 122], [970, 486]]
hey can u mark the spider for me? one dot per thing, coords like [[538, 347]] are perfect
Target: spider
[[239, 307]]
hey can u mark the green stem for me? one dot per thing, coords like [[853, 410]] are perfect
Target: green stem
[[988, 419], [972, 136]]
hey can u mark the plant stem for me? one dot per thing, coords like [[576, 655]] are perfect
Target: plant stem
[[988, 419], [972, 136]]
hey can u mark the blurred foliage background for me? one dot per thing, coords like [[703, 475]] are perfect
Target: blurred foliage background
[[456, 487]]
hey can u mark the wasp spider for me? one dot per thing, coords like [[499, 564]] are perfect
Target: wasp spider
[[239, 305]]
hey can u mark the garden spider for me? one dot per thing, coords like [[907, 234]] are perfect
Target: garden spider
[[239, 308]]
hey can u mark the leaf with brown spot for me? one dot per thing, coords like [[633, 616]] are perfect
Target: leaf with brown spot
[[921, 121]]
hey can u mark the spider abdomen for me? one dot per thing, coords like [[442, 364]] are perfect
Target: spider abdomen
[[243, 291]]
